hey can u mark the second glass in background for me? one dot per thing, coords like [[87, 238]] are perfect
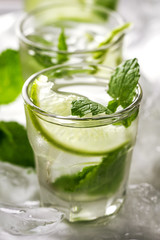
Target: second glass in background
[[69, 32]]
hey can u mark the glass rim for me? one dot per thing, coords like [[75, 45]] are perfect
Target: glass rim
[[121, 114], [41, 46]]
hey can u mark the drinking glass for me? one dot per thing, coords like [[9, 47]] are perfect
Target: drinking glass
[[83, 162], [70, 32]]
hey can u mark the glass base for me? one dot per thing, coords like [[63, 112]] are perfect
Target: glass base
[[94, 210], [83, 210]]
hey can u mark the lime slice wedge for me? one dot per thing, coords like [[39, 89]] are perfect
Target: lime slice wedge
[[84, 141], [49, 101]]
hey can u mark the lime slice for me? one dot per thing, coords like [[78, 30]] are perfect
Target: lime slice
[[44, 97], [86, 141]]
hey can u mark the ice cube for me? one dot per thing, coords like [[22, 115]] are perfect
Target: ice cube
[[29, 221], [17, 184]]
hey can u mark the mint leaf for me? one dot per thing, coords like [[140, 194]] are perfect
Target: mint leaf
[[119, 30], [85, 106], [11, 76], [47, 61], [62, 46], [69, 183], [104, 178], [14, 145], [123, 82]]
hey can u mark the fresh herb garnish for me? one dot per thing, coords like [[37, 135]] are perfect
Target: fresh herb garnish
[[11, 76], [104, 178], [122, 87], [14, 145], [123, 82]]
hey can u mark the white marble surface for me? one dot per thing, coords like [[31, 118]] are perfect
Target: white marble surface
[[139, 218]]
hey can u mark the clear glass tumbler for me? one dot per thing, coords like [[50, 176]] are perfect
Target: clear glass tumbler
[[69, 32], [82, 162]]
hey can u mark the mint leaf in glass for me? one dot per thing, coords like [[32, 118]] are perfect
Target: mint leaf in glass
[[47, 60], [14, 145], [62, 46], [11, 76], [44, 60], [104, 178]]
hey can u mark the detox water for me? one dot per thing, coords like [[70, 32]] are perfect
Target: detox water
[[69, 33], [82, 164]]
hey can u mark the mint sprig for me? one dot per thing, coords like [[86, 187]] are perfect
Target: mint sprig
[[124, 81], [122, 88]]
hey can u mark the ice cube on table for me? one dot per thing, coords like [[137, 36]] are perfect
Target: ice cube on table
[[29, 221], [17, 184]]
